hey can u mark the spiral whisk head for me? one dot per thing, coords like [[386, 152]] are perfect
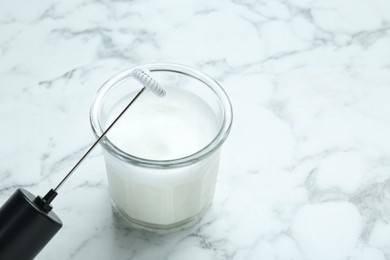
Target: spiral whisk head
[[148, 82]]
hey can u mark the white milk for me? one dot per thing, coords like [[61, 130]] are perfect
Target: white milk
[[163, 128]]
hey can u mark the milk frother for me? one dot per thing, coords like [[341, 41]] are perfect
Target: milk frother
[[27, 222]]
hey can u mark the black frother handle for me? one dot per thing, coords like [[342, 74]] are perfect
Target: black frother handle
[[25, 228]]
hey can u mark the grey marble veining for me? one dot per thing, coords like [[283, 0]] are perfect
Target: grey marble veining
[[305, 173]]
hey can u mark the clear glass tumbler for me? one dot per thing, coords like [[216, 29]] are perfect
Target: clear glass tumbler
[[163, 193]]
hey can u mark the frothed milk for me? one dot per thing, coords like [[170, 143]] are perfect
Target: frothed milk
[[163, 128]]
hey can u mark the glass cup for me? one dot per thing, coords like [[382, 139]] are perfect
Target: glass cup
[[159, 191]]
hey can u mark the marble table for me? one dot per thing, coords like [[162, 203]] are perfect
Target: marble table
[[305, 173]]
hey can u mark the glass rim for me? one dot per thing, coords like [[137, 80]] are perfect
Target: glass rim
[[212, 146]]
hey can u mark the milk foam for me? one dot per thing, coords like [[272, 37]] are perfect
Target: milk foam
[[164, 128]]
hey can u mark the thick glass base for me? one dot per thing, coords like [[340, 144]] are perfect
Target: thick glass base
[[138, 224]]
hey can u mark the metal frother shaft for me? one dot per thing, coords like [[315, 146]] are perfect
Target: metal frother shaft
[[27, 223], [97, 141], [52, 193], [148, 83]]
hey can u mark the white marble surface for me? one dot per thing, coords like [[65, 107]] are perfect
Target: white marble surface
[[306, 171]]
